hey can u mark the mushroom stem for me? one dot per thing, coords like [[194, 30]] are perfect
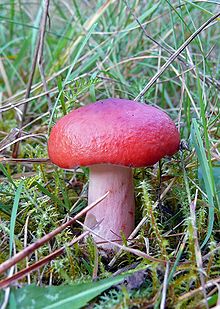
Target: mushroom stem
[[117, 210]]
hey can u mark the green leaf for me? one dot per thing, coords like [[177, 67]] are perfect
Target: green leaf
[[206, 173], [62, 101], [14, 214], [12, 301], [65, 297], [212, 300], [216, 175]]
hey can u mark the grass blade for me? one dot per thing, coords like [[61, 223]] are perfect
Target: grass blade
[[14, 214], [7, 175], [51, 196], [69, 72], [203, 162]]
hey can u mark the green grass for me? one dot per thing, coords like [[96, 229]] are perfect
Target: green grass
[[94, 50]]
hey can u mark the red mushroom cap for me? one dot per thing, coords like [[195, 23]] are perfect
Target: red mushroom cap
[[114, 131]]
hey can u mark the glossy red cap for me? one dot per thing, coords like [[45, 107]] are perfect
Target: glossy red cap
[[114, 131]]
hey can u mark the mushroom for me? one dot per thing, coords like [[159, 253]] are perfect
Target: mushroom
[[110, 137]]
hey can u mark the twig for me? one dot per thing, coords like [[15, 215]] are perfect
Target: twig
[[20, 138], [7, 293], [131, 250], [22, 273], [31, 248], [8, 106], [38, 86], [25, 160], [190, 294], [132, 235], [11, 136], [175, 55]]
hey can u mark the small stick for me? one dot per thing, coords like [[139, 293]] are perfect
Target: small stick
[[25, 160], [20, 138], [134, 251], [31, 248], [7, 293], [22, 273], [136, 230], [209, 284]]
